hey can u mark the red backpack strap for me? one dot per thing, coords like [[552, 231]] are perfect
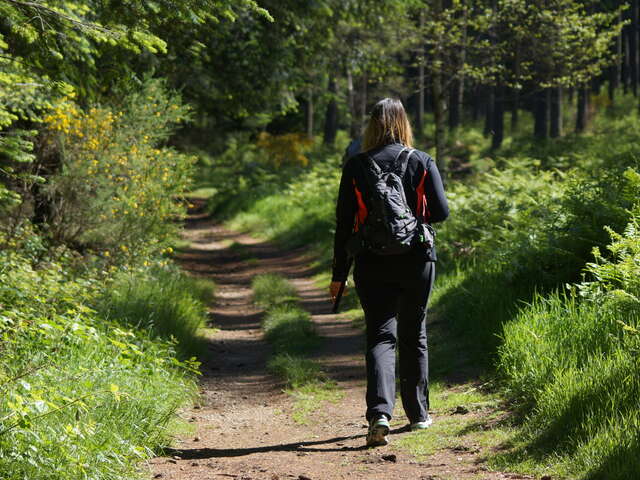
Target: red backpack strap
[[422, 207]]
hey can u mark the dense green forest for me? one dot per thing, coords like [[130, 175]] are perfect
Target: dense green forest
[[114, 114]]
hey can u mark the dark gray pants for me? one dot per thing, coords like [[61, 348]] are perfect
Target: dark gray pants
[[393, 291]]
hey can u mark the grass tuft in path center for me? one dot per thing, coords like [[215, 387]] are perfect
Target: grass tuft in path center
[[290, 331]]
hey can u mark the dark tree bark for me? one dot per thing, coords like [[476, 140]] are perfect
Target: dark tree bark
[[541, 114], [489, 110], [612, 84], [555, 130], [515, 109], [363, 100], [456, 99], [583, 104], [351, 103], [498, 117], [310, 111], [439, 103], [515, 97], [633, 46], [439, 107], [615, 71], [331, 117], [455, 105], [626, 60], [476, 109], [421, 90], [48, 163]]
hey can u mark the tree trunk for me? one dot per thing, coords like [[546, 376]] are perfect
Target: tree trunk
[[310, 112], [439, 102], [626, 61], [615, 71], [633, 46], [583, 104], [351, 102], [331, 117], [476, 108], [455, 106], [541, 114], [556, 112], [490, 95], [515, 97], [515, 109], [611, 84], [421, 61], [457, 86], [498, 117], [363, 101]]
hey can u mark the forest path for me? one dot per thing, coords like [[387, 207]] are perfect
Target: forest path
[[244, 427]]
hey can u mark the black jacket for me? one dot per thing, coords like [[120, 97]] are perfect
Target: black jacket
[[423, 188]]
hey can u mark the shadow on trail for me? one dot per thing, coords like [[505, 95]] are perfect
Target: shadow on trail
[[203, 453], [307, 447]]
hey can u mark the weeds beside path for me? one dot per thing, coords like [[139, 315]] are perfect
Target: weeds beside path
[[246, 426]]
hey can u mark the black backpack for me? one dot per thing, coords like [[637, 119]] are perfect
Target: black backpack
[[390, 227]]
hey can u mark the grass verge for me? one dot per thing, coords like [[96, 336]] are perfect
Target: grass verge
[[86, 393]]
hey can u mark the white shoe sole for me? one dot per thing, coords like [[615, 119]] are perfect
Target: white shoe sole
[[378, 436], [421, 425]]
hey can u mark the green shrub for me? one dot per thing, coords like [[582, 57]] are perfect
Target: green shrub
[[116, 185]]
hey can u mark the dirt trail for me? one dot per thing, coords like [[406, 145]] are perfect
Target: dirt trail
[[243, 426]]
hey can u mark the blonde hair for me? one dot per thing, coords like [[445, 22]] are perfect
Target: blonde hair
[[388, 124]]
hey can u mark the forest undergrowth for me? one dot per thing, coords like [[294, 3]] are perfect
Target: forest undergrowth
[[537, 280]]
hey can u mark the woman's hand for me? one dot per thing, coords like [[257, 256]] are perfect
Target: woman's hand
[[334, 288]]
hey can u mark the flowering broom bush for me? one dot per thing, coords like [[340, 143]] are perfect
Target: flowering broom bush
[[119, 186]]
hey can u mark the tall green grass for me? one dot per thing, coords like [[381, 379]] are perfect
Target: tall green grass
[[571, 359], [165, 303], [82, 394]]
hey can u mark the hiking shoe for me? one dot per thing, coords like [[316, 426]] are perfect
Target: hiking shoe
[[421, 425], [378, 431]]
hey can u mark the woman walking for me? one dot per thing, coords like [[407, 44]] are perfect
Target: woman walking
[[387, 195]]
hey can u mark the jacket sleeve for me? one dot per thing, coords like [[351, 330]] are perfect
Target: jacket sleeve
[[437, 205], [346, 209]]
